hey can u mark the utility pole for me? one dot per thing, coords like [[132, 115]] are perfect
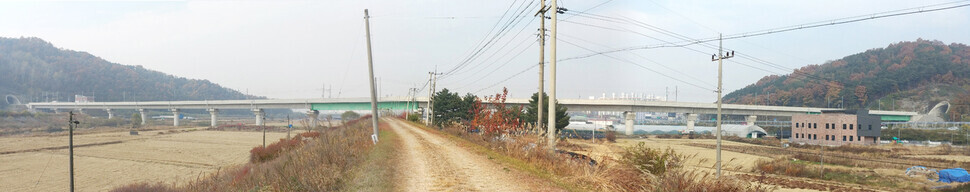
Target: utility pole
[[432, 82], [551, 126], [370, 68], [427, 118], [288, 126], [719, 57], [71, 124], [434, 87], [542, 63], [264, 128]]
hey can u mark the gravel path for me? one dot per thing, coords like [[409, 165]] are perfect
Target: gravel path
[[433, 163]]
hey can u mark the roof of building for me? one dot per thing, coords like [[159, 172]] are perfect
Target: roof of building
[[741, 130]]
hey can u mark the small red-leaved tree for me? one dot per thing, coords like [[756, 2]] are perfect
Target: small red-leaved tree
[[495, 117]]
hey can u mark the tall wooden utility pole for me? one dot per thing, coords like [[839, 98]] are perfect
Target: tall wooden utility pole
[[542, 63], [71, 124], [720, 56], [370, 68], [551, 126], [427, 111]]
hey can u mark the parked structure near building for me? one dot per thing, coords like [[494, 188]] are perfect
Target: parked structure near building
[[836, 127], [749, 131]]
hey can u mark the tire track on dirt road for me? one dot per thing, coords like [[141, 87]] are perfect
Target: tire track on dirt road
[[433, 163]]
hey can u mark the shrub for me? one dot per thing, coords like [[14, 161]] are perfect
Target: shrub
[[784, 167], [261, 154], [144, 187], [349, 115], [649, 160], [414, 117], [611, 136]]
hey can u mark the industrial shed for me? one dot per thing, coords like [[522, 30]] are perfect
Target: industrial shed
[[749, 131]]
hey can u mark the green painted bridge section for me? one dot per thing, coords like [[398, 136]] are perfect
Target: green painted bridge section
[[391, 105], [895, 118]]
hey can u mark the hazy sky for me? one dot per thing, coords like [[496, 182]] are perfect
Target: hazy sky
[[290, 49]]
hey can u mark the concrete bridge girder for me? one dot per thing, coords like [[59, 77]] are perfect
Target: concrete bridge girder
[[572, 104]]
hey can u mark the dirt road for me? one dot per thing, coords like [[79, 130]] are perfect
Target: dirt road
[[431, 162]]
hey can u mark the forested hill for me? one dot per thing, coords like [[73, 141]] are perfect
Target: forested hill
[[35, 70], [906, 73]]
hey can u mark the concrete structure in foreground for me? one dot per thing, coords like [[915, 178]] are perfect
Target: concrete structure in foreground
[[836, 127], [402, 103]]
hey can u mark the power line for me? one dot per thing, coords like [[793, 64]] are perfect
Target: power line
[[480, 43], [488, 45], [901, 12], [556, 9], [688, 39], [489, 64], [509, 78], [641, 57], [638, 65], [503, 64]]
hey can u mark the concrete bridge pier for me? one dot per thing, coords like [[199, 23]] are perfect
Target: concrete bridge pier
[[691, 119], [175, 120], [259, 116], [79, 111], [144, 116], [213, 119], [750, 119], [110, 114], [630, 115], [312, 115]]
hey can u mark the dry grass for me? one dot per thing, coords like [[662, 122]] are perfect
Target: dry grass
[[321, 164], [640, 168]]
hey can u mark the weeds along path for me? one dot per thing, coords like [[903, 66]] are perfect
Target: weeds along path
[[433, 163]]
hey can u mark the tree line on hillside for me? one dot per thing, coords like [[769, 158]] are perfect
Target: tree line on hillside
[[490, 114], [35, 70], [862, 80]]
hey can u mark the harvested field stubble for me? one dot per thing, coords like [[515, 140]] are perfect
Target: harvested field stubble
[[318, 165]]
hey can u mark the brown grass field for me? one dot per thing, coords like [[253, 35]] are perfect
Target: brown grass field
[[853, 169], [108, 160]]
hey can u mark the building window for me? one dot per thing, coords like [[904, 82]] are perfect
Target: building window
[[870, 127], [815, 125], [843, 126], [850, 138], [826, 126], [843, 138], [850, 126]]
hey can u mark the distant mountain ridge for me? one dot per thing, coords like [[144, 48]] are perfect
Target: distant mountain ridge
[[34, 70], [904, 75]]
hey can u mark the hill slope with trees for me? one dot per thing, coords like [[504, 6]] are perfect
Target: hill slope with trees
[[902, 76], [34, 70]]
